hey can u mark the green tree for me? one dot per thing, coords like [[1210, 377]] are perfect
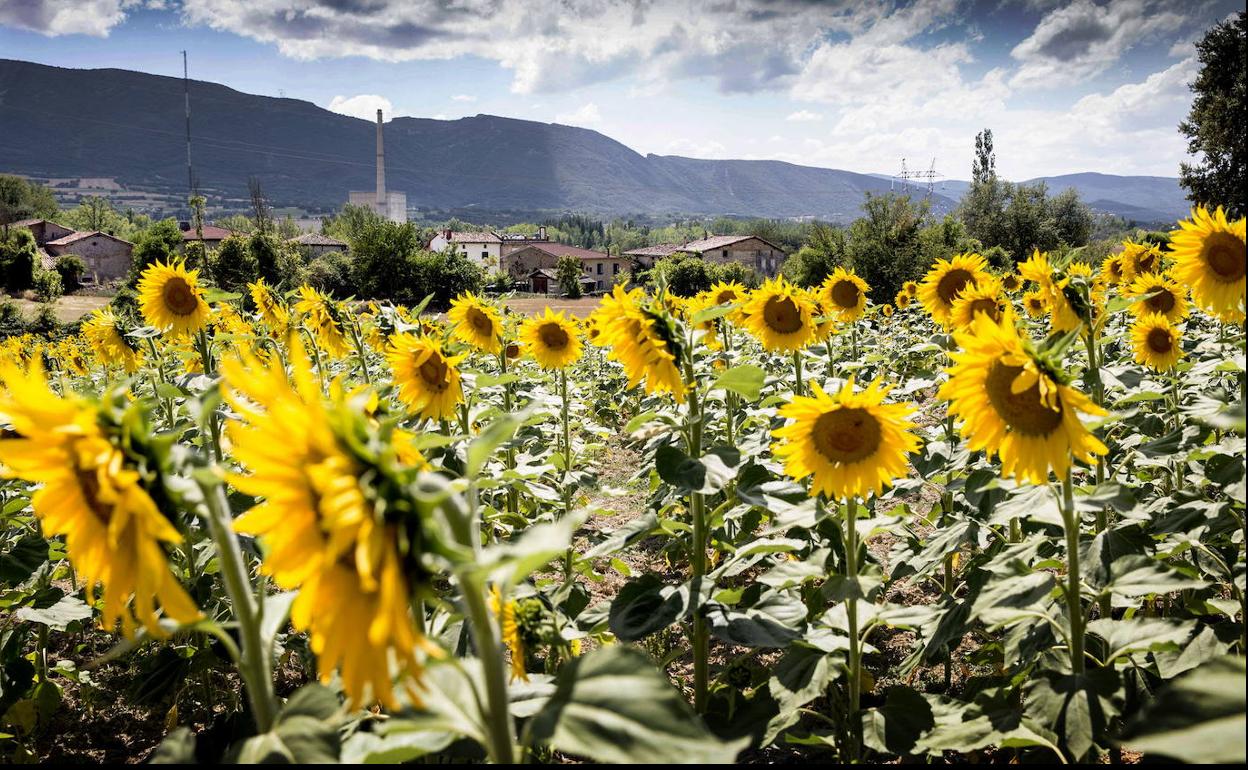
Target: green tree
[[1072, 218], [161, 242], [1215, 126], [331, 273], [823, 252], [568, 272], [445, 276], [382, 254], [19, 258], [233, 265], [20, 199], [884, 246], [685, 274]]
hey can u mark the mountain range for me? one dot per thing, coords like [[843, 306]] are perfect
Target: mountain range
[[122, 133]]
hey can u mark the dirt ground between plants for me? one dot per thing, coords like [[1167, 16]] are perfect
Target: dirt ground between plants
[[68, 309], [531, 305]]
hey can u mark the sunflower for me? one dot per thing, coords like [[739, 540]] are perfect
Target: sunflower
[[710, 327], [552, 339], [780, 316], [1155, 342], [1141, 258], [1209, 257], [1062, 315], [1157, 293], [476, 322], [902, 300], [850, 443], [109, 342], [887, 311], [911, 288], [270, 308], [845, 294], [643, 341], [983, 298], [427, 377], [726, 293], [505, 611], [946, 280], [91, 493], [171, 300], [1013, 404], [324, 318], [1011, 282], [322, 533], [1116, 270]]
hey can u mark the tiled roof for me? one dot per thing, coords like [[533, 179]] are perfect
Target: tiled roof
[[661, 250], [562, 249], [714, 242], [316, 239], [78, 236], [478, 237], [211, 233]]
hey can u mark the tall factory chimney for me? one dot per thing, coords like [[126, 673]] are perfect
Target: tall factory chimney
[[381, 167]]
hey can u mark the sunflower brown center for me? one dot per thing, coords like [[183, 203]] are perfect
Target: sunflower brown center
[[480, 321], [846, 435], [1024, 412], [845, 294], [781, 315], [1160, 341], [726, 296], [433, 371], [1010, 282], [1162, 300], [985, 305], [553, 336], [1145, 262], [513, 351], [178, 296], [952, 283], [1224, 253]]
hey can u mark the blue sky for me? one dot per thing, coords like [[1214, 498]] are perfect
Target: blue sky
[[853, 84]]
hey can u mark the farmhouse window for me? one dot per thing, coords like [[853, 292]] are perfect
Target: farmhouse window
[[599, 268]]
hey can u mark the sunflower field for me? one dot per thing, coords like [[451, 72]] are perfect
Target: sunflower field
[[993, 518]]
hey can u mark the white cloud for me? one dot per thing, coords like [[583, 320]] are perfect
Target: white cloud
[[585, 115], [1083, 39], [362, 106], [744, 45], [804, 116], [463, 98], [65, 17]]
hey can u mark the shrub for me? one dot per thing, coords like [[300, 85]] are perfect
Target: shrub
[[331, 273], [498, 282], [12, 322], [445, 276], [46, 323], [125, 303], [48, 286], [70, 268], [734, 271], [160, 242]]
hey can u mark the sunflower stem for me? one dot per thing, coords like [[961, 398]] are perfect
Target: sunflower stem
[[697, 512], [797, 372], [254, 665], [1074, 599], [360, 350], [567, 463], [489, 646], [513, 497], [851, 613]]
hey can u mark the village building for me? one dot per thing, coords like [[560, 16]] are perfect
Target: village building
[[513, 242], [389, 204], [107, 257], [313, 245], [763, 256], [43, 230], [599, 270], [211, 235], [485, 248]]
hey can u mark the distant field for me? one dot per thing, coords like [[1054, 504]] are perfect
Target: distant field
[[68, 309], [71, 308], [532, 305]]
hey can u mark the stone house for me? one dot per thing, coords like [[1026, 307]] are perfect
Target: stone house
[[107, 257], [212, 235], [43, 230], [763, 256], [600, 271]]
